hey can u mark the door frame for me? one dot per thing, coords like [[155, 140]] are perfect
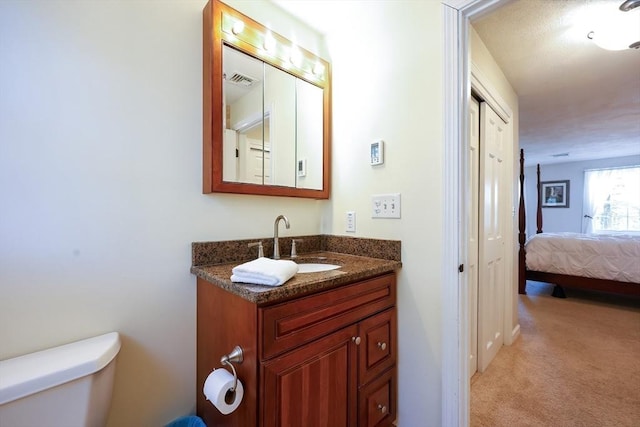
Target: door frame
[[456, 16]]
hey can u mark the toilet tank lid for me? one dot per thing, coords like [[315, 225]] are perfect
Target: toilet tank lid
[[35, 372]]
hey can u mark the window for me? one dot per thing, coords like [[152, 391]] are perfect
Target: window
[[612, 200]]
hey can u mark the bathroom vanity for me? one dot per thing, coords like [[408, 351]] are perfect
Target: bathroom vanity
[[319, 350]]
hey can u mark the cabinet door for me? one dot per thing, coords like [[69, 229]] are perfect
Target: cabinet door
[[314, 385], [378, 349], [377, 401]]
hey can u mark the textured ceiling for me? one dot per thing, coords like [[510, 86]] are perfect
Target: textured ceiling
[[574, 97]]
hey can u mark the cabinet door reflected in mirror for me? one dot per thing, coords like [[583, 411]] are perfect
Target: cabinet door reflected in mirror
[[273, 125]]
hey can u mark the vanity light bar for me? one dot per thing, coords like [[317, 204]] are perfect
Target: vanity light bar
[[273, 47]]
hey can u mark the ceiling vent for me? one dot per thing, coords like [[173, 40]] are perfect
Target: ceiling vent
[[240, 79], [560, 155]]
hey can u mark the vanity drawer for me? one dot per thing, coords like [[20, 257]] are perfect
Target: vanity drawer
[[287, 325], [377, 401], [378, 350]]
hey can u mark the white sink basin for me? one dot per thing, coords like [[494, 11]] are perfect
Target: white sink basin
[[316, 268]]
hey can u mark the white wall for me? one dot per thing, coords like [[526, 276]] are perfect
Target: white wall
[[387, 84], [100, 189], [564, 219]]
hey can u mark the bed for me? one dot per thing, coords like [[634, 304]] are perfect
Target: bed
[[607, 263]]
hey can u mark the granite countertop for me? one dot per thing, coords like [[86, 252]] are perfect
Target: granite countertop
[[353, 268]]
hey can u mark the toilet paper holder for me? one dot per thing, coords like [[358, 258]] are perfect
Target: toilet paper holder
[[236, 356]]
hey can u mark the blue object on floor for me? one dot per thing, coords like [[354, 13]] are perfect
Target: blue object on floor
[[188, 421]]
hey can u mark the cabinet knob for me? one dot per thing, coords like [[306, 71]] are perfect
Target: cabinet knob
[[382, 345], [356, 340], [382, 408]]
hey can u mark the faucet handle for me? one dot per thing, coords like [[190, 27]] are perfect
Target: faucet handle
[[294, 253], [260, 249]]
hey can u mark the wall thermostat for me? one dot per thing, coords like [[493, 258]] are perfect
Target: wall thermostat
[[377, 153]]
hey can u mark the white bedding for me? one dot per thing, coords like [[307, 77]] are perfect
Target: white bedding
[[600, 256]]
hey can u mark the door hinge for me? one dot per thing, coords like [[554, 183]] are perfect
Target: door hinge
[[237, 153], [461, 268]]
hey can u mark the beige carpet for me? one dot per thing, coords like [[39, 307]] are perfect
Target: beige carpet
[[576, 363]]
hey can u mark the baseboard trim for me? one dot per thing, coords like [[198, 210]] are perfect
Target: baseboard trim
[[515, 333]]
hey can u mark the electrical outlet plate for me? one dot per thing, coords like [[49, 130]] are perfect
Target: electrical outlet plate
[[351, 221], [385, 205]]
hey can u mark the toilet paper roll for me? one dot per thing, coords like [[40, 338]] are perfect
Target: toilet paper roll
[[217, 389]]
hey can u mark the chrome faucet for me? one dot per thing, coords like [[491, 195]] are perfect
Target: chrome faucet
[[276, 245]]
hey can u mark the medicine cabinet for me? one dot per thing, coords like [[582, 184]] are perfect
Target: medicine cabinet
[[267, 118]]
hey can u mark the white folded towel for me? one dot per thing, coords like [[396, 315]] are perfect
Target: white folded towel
[[264, 271]]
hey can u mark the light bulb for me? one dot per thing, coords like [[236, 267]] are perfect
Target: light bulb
[[318, 69], [295, 56], [269, 42], [237, 28]]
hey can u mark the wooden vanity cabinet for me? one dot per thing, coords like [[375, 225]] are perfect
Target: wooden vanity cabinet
[[325, 359], [314, 385]]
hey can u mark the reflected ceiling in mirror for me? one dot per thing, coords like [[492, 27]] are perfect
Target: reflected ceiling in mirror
[[267, 115]]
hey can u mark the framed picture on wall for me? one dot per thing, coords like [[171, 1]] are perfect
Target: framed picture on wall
[[555, 194]]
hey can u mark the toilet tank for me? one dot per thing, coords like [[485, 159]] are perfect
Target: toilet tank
[[69, 385]]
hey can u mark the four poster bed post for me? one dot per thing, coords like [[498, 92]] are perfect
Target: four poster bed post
[[522, 226]]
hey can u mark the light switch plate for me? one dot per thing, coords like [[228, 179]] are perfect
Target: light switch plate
[[351, 221], [302, 167], [385, 205]]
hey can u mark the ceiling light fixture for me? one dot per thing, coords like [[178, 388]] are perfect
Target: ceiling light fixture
[[619, 31], [629, 4]]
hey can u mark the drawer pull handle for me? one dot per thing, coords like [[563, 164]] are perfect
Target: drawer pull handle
[[382, 408], [382, 345], [356, 340]]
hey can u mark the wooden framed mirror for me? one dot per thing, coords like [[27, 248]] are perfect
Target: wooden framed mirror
[[266, 110]]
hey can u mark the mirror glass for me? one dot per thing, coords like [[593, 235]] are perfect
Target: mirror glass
[[273, 124], [244, 119], [268, 131], [260, 121], [309, 155]]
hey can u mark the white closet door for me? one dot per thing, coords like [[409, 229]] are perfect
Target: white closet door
[[492, 227], [472, 227]]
